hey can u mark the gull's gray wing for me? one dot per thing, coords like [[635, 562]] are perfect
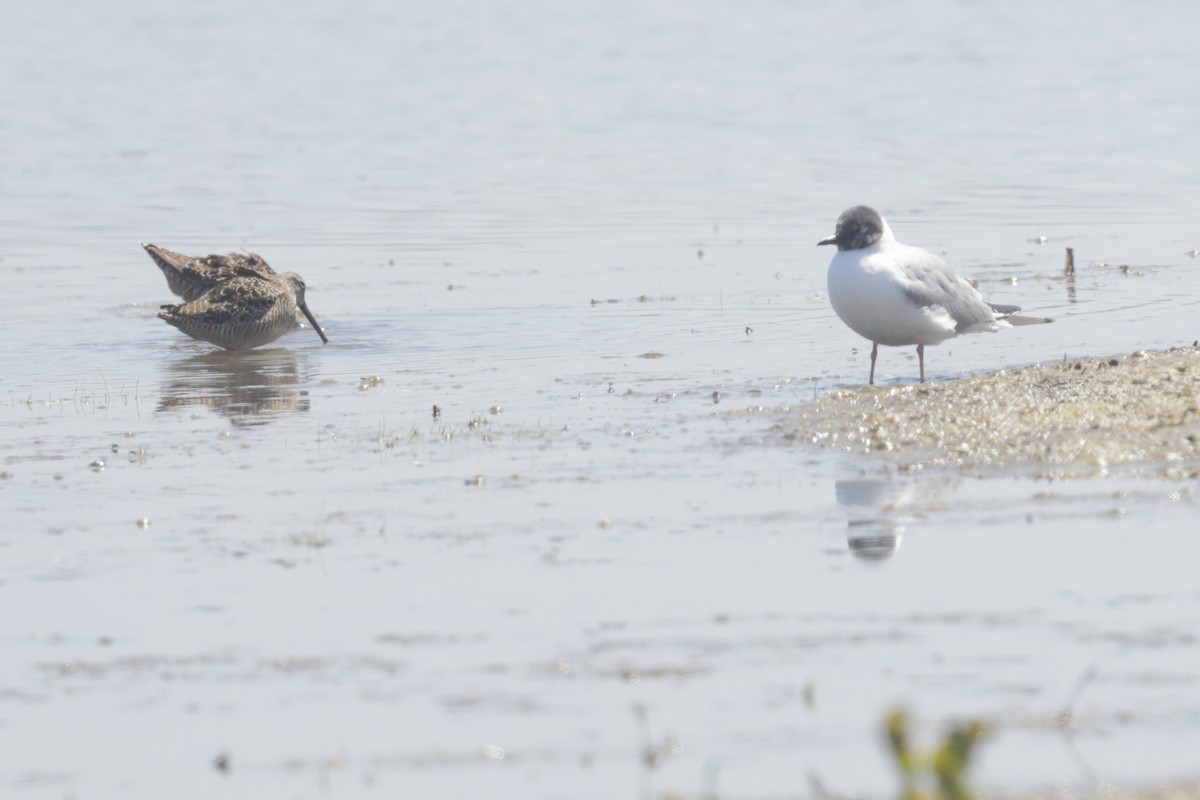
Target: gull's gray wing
[[930, 283]]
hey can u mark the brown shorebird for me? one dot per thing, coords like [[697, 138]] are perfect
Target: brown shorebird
[[191, 277], [235, 301]]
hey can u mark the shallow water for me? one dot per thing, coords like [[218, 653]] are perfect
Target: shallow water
[[586, 235]]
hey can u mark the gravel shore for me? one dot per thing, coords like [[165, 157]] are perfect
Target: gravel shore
[[1069, 418]]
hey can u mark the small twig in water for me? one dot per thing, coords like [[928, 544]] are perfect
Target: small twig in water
[[1066, 715]]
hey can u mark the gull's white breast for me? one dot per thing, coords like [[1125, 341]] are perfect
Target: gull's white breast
[[867, 290]]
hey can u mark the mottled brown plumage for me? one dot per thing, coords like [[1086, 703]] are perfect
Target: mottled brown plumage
[[234, 301], [191, 277]]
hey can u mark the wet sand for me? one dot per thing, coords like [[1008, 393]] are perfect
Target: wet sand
[[1074, 418], [1182, 791]]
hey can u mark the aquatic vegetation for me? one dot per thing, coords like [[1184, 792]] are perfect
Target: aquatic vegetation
[[937, 774]]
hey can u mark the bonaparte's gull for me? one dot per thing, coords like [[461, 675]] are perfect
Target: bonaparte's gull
[[895, 295]]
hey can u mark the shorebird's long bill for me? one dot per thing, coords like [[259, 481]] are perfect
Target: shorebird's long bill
[[313, 322], [828, 240]]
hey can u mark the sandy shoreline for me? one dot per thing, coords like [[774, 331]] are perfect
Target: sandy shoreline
[[1066, 419]]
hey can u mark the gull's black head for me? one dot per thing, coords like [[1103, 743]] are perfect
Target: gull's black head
[[857, 228]]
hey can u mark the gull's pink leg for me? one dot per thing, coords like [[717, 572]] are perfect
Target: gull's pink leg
[[874, 354], [921, 359]]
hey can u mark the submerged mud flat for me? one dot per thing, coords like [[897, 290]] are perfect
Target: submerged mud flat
[[1070, 418]]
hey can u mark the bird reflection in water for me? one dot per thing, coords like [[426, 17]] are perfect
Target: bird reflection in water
[[250, 388], [877, 510]]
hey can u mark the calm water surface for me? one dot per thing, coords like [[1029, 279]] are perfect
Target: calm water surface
[[586, 233]]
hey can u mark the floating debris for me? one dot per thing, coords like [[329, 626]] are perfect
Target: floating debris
[[369, 382], [641, 298]]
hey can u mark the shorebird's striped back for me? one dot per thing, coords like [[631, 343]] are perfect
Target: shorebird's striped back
[[190, 277], [235, 301]]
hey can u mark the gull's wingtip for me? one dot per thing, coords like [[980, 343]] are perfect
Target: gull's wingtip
[[1023, 320]]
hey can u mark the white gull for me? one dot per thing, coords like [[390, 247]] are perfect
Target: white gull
[[896, 295]]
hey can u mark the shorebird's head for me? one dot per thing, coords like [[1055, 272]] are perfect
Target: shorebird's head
[[297, 284], [165, 259], [857, 228]]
